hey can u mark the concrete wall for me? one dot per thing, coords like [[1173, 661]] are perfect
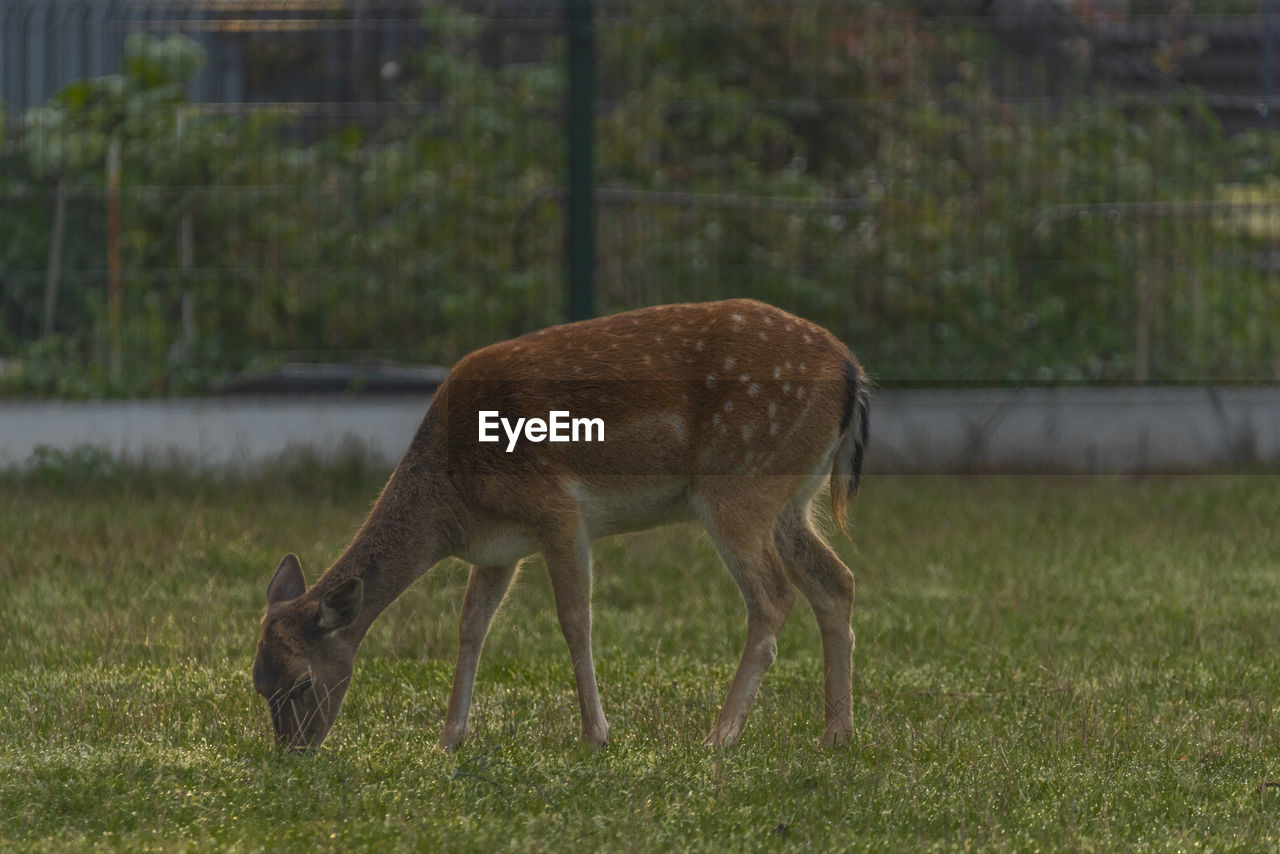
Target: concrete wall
[[1104, 430], [237, 431], [1124, 430]]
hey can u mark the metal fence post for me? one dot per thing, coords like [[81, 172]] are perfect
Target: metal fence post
[[1268, 65], [580, 233]]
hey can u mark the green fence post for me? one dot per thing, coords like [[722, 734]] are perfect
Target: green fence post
[[580, 234]]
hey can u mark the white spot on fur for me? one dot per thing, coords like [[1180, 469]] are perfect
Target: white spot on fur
[[728, 406], [799, 392], [777, 373], [753, 389], [699, 345], [786, 388], [711, 380], [746, 434], [738, 321], [807, 338], [745, 378], [728, 363], [773, 428], [768, 321], [715, 419], [773, 408]]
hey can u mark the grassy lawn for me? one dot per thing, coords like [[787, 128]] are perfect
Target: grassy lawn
[[1052, 663]]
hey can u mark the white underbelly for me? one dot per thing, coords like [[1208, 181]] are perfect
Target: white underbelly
[[605, 511], [500, 546], [602, 511]]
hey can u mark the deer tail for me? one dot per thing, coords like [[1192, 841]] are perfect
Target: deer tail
[[846, 472]]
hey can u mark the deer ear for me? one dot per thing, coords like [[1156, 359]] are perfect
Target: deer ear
[[340, 606], [288, 582]]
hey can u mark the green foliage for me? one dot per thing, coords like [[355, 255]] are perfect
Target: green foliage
[[1042, 664], [954, 212], [976, 245], [392, 242]]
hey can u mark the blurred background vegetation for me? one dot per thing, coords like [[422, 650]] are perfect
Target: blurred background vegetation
[[982, 192]]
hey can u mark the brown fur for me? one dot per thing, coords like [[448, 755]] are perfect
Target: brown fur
[[730, 413]]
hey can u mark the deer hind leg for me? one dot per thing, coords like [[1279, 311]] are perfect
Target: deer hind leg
[[486, 588], [828, 585], [742, 538], [568, 558]]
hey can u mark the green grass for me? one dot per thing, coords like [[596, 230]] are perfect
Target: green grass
[[1042, 663]]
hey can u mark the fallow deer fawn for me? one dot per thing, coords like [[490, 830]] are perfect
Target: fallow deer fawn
[[731, 413]]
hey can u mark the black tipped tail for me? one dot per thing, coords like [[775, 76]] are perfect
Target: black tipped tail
[[846, 473]]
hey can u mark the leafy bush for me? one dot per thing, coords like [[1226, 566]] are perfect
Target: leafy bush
[[883, 173]]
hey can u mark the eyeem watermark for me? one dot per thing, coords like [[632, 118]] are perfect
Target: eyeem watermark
[[557, 427]]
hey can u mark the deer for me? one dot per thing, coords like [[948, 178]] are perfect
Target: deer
[[731, 414]]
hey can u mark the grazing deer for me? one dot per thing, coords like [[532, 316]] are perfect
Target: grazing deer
[[732, 413]]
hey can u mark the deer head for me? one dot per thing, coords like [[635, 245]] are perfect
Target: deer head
[[304, 659]]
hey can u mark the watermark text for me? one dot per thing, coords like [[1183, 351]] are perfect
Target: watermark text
[[558, 426]]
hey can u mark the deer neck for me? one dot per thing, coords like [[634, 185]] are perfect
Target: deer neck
[[411, 527]]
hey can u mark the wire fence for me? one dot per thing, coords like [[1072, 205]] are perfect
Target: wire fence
[[1017, 191]]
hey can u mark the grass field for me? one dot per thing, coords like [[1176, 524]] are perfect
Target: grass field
[[1042, 663]]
